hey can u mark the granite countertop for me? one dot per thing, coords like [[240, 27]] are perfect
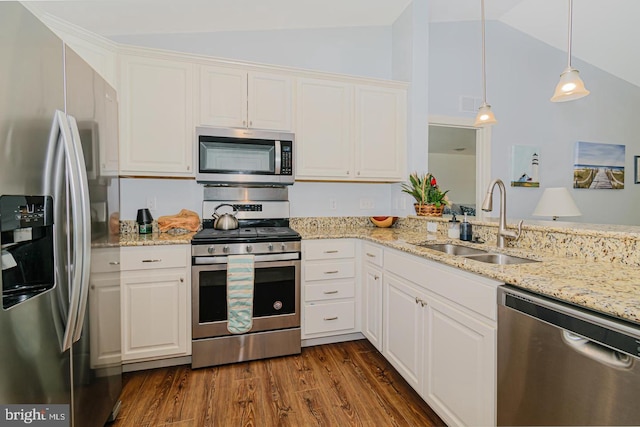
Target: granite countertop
[[613, 289], [608, 288]]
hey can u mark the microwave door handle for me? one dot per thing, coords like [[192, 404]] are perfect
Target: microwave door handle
[[278, 165]]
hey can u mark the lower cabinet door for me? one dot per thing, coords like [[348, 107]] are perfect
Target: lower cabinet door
[[154, 314], [402, 329], [372, 305], [459, 366], [104, 319]]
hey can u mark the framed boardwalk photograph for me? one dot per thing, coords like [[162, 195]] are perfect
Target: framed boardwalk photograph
[[598, 166]]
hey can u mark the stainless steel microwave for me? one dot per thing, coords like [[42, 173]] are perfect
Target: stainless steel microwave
[[244, 156]]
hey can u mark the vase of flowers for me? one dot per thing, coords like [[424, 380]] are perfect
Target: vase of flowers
[[430, 200]]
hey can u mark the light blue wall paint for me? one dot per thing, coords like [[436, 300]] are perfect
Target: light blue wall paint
[[359, 51], [521, 75]]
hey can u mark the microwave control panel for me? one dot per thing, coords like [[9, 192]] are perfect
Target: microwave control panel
[[286, 158]]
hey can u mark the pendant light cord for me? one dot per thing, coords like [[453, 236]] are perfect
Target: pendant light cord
[[570, 31], [484, 66]]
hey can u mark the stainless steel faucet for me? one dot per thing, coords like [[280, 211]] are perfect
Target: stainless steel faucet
[[487, 206]]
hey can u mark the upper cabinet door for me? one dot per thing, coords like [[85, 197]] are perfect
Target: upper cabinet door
[[324, 129], [223, 97], [238, 98], [157, 126], [380, 133], [270, 101]]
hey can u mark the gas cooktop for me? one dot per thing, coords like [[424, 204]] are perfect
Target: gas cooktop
[[245, 235]]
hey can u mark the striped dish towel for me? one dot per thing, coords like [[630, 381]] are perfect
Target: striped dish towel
[[240, 275]]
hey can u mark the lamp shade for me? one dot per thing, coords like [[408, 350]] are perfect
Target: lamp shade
[[556, 202], [485, 116], [569, 87]]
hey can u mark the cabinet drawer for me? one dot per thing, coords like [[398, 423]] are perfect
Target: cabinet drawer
[[329, 317], [329, 249], [333, 270], [335, 289], [147, 258], [372, 254], [105, 260]]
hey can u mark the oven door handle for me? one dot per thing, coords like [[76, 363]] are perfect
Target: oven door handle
[[207, 260]]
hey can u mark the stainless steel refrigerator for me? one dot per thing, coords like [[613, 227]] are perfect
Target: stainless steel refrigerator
[[58, 121]]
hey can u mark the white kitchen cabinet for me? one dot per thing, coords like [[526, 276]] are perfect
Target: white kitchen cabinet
[[350, 132], [440, 334], [372, 312], [232, 97], [156, 115], [104, 308], [380, 133], [329, 288], [459, 365], [402, 329], [324, 130], [155, 302]]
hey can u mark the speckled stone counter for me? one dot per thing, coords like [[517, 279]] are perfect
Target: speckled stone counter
[[152, 239], [612, 288]]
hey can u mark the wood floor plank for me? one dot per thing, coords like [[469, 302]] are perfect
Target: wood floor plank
[[344, 384]]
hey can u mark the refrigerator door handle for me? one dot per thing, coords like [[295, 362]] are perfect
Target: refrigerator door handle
[[77, 219], [83, 206]]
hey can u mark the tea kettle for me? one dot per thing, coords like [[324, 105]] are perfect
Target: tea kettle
[[225, 221]]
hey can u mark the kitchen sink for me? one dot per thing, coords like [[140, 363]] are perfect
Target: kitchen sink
[[500, 259], [452, 249]]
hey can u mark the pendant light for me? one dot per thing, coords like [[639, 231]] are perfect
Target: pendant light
[[485, 116], [570, 86]]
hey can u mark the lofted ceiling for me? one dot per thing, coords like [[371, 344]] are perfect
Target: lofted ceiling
[[604, 33]]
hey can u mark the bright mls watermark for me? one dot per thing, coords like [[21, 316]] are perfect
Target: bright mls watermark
[[36, 415]]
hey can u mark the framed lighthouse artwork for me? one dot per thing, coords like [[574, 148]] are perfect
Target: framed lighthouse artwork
[[525, 166]]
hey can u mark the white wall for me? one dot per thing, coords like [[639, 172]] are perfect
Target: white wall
[[521, 75]]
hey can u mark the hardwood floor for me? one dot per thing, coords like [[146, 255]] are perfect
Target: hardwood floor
[[345, 384]]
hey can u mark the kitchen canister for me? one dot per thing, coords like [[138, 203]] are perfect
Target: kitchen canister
[[145, 221]]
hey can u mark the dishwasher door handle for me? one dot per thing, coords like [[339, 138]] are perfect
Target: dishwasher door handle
[[596, 351]]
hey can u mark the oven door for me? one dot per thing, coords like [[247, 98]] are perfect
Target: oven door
[[276, 298]]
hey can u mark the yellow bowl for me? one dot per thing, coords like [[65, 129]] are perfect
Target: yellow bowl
[[383, 221]]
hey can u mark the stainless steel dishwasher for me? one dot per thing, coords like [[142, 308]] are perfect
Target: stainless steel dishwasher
[[559, 364]]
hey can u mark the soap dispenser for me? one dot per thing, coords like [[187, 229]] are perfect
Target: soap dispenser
[[454, 228], [466, 232]]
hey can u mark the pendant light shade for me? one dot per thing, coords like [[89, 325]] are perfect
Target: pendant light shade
[[570, 86], [485, 116]]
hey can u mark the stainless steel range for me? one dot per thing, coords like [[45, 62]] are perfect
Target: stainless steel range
[[263, 218]]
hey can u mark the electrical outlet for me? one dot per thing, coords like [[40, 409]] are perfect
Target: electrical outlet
[[333, 204], [152, 203]]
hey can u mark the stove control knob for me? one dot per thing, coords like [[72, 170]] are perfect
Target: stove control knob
[[284, 246], [270, 247], [225, 249], [211, 249], [249, 248]]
